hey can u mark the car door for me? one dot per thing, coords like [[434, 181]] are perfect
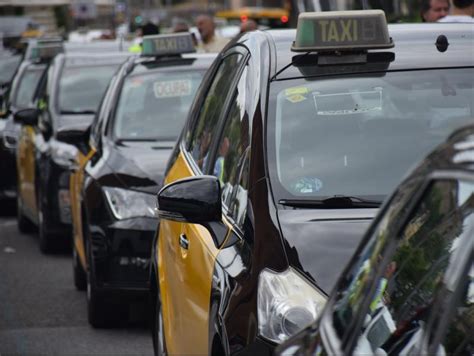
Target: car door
[[187, 252]]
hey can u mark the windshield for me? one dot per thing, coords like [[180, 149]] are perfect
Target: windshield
[[155, 105], [81, 87], [8, 66], [26, 87], [358, 135]]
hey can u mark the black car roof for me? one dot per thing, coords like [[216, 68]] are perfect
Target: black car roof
[[195, 61], [414, 47]]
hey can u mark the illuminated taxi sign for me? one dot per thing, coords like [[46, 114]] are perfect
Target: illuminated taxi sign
[[341, 31], [166, 45], [45, 52]]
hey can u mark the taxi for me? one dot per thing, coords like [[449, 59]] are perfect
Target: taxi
[[114, 186], [408, 289], [66, 100], [20, 96], [293, 142]]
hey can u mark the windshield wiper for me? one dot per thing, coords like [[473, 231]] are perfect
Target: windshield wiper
[[78, 112], [334, 202]]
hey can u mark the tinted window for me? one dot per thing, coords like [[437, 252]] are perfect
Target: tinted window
[[404, 290], [231, 162], [358, 136], [212, 107], [459, 338], [101, 116], [82, 88], [8, 66], [27, 87], [155, 105]]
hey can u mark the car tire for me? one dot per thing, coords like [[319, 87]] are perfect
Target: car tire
[[25, 226], [159, 343], [80, 277]]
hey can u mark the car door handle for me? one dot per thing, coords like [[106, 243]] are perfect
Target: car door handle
[[183, 241]]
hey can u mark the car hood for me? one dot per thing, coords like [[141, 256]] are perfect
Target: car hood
[[320, 242], [140, 165]]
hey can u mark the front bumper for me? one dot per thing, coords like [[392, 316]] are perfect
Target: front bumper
[[258, 347], [121, 254]]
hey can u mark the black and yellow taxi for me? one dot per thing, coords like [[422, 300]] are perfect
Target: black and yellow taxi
[[113, 191], [409, 288], [293, 141], [20, 96], [66, 100]]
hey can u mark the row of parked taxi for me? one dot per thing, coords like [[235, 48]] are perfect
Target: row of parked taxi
[[234, 188]]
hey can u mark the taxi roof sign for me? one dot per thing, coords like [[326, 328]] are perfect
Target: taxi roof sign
[[46, 51], [341, 31], [167, 45]]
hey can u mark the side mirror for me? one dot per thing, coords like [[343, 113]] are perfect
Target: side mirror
[[194, 200], [27, 117], [76, 136]]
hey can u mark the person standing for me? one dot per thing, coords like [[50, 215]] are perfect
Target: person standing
[[433, 10], [211, 42], [462, 11]]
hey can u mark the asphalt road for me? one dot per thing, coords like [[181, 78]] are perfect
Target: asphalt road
[[42, 313]]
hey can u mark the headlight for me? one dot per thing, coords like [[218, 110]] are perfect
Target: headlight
[[63, 154], [286, 304], [127, 204]]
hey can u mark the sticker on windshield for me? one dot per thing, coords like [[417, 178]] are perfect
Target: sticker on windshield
[[296, 98], [172, 88], [307, 185], [296, 94], [296, 90], [356, 102]]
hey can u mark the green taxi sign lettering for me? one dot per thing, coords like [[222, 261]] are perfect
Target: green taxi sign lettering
[[165, 45], [341, 30]]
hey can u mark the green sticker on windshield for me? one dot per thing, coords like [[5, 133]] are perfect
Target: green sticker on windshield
[[296, 98], [296, 94], [296, 90]]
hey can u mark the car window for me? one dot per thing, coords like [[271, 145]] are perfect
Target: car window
[[154, 105], [96, 127], [233, 152], [81, 87], [211, 109], [402, 292], [8, 66], [26, 88], [459, 337], [358, 135]]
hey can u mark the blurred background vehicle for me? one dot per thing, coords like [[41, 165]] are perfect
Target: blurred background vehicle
[[18, 96], [65, 104]]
